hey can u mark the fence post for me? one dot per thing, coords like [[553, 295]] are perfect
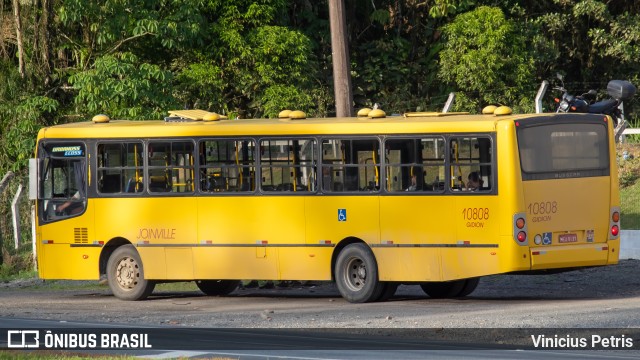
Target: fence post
[[541, 91], [5, 180], [449, 103], [3, 184], [15, 213]]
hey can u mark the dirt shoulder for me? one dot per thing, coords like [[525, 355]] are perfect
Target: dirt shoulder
[[594, 297]]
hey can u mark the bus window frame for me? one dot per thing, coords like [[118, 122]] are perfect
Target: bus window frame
[[200, 168], [417, 136], [96, 191], [379, 138], [259, 166], [183, 139], [493, 163]]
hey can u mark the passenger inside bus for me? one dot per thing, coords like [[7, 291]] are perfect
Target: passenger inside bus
[[414, 183], [474, 181]]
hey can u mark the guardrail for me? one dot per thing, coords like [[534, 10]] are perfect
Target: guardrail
[[629, 132]]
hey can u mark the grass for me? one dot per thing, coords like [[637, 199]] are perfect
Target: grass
[[630, 207], [629, 173]]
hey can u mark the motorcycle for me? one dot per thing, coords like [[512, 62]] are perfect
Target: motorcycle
[[619, 91]]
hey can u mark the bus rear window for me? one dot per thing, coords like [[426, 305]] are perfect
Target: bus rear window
[[563, 150]]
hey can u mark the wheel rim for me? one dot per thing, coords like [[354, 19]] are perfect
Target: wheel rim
[[355, 274], [127, 273]]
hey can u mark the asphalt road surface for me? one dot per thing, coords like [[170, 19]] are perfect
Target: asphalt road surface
[[504, 310]]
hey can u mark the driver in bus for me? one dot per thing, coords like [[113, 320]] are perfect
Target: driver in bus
[[72, 205]]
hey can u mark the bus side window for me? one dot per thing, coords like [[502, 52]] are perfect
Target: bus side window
[[226, 165], [288, 165], [158, 183], [353, 165], [119, 165], [471, 167], [111, 183]]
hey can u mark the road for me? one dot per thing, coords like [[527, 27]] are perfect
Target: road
[[504, 310]]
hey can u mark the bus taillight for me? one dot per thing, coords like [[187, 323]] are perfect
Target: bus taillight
[[520, 228], [522, 236], [615, 217], [614, 223], [615, 230]]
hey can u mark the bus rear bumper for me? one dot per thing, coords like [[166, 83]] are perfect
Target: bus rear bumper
[[550, 257]]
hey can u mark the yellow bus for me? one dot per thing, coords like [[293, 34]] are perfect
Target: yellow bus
[[433, 199]]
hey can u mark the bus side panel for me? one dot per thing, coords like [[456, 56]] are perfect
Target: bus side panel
[[330, 219], [63, 254], [413, 231], [162, 228], [478, 248], [244, 237]]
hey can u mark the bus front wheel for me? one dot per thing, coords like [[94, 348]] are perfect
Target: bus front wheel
[[126, 276], [217, 287], [356, 274]]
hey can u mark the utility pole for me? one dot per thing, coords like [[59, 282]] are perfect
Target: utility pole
[[340, 55]]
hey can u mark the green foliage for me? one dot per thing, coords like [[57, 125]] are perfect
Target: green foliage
[[123, 87], [257, 58], [21, 116], [630, 207], [628, 164], [107, 26], [201, 86], [279, 97], [486, 57]]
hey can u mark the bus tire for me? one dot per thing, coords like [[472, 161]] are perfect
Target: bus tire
[[443, 289], [356, 273], [389, 289], [217, 287], [125, 275], [469, 286]]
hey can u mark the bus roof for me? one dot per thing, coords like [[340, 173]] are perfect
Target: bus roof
[[435, 123]]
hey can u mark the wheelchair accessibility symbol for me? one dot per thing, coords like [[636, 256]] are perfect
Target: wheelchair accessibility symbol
[[342, 214]]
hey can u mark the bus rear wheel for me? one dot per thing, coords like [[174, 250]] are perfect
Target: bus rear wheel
[[217, 287], [388, 290], [469, 286], [126, 275], [356, 273], [450, 289]]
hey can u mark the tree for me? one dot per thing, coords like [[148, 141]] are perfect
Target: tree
[[485, 58]]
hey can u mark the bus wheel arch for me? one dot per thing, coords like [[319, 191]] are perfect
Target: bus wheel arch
[[107, 250], [355, 271], [125, 274], [217, 287]]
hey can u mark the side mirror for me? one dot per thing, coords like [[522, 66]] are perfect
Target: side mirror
[[34, 170]]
